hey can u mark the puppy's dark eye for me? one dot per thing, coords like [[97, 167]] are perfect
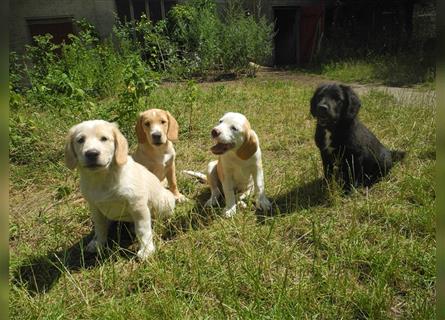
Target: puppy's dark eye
[[233, 128], [81, 140], [147, 124], [163, 121], [103, 139], [220, 121]]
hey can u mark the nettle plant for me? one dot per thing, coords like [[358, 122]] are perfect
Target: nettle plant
[[196, 28], [151, 40], [139, 81]]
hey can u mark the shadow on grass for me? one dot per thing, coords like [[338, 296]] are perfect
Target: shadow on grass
[[196, 218], [402, 71], [399, 70], [428, 155], [310, 194], [39, 274]]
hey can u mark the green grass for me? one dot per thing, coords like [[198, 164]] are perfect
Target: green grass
[[322, 255]]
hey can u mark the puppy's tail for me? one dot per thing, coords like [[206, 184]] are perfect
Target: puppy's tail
[[397, 155], [200, 176]]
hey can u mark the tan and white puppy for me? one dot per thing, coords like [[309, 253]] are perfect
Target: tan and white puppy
[[155, 130], [239, 167], [115, 186]]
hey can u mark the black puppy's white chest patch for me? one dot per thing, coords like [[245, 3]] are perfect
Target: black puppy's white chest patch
[[327, 136]]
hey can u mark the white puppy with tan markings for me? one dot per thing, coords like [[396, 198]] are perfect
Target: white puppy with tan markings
[[239, 167], [155, 130], [115, 186]]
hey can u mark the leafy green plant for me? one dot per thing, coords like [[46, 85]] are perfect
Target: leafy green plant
[[244, 39], [16, 72], [68, 75], [196, 28], [223, 43], [95, 67], [139, 81], [39, 58], [152, 41]]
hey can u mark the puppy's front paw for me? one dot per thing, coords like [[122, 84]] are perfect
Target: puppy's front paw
[[242, 204], [94, 246], [229, 212], [180, 198], [146, 251], [264, 204], [211, 202]]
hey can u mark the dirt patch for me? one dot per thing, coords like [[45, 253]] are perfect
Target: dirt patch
[[299, 78], [265, 74]]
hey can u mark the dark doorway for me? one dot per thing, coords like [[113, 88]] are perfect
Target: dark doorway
[[59, 28], [286, 38]]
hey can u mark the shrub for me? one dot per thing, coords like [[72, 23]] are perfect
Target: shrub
[[16, 70], [45, 74], [196, 28], [227, 43], [73, 73], [244, 39], [39, 58], [151, 41], [139, 81], [95, 67]]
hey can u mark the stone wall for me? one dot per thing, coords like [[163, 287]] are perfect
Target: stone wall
[[100, 13]]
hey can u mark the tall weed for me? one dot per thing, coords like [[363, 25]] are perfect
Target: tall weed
[[139, 81], [244, 39], [223, 43], [196, 28], [151, 40]]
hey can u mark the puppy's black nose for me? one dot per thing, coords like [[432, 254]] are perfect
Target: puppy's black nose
[[156, 136], [92, 154], [322, 109], [215, 133]]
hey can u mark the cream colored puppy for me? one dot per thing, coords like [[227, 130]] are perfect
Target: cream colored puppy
[[115, 186], [155, 130], [239, 168]]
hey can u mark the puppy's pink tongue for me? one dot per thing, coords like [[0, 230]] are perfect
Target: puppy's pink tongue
[[219, 148]]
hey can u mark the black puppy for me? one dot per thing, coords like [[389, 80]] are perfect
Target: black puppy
[[349, 151]]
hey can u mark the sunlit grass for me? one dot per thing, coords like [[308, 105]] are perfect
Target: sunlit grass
[[367, 255]]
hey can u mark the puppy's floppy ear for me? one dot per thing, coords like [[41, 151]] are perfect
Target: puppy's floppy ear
[[313, 99], [352, 101], [140, 133], [173, 128], [249, 146], [120, 147], [70, 155]]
